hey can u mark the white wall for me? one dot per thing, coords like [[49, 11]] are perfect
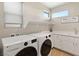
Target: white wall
[[73, 8], [31, 12]]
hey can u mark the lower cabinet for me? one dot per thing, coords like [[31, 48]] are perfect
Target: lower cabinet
[[76, 45], [67, 43], [58, 42]]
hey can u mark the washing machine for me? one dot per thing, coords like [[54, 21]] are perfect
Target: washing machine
[[44, 43], [24, 45]]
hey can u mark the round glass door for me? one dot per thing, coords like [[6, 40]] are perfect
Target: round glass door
[[28, 51], [46, 47]]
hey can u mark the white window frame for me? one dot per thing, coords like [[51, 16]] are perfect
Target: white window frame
[[47, 13], [47, 18], [59, 12], [20, 24]]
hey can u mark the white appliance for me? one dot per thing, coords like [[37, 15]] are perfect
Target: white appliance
[[44, 43], [19, 46]]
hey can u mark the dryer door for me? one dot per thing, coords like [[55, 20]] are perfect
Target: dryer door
[[28, 51], [46, 47]]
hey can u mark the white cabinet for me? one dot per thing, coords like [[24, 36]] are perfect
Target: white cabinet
[[65, 43], [57, 41], [71, 45], [76, 46]]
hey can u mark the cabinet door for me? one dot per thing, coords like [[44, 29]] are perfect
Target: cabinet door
[[54, 39], [64, 43], [67, 44], [76, 52], [75, 48], [57, 41], [53, 36]]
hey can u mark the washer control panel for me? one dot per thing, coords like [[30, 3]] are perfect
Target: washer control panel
[[34, 40]]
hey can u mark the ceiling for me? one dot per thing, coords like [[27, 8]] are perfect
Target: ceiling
[[52, 4]]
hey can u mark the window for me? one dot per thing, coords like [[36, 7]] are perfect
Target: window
[[60, 14], [44, 15], [13, 14]]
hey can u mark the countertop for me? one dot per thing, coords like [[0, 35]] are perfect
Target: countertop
[[66, 33]]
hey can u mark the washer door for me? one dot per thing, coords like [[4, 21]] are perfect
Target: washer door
[[46, 47], [28, 51]]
